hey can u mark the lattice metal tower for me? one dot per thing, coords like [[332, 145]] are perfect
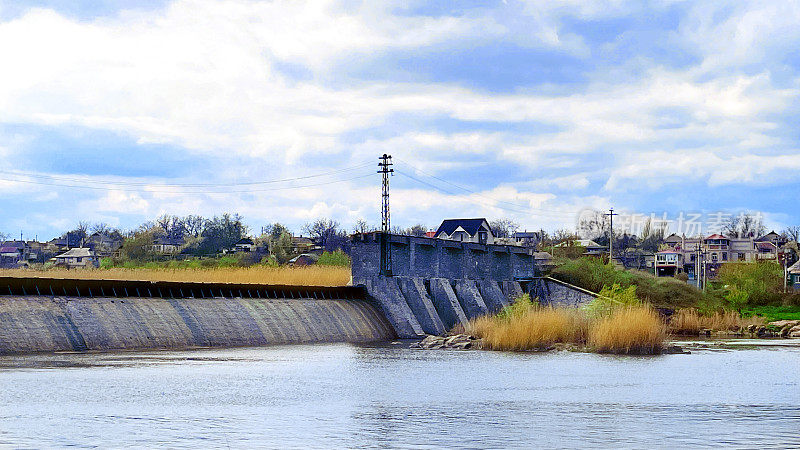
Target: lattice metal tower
[[385, 165]]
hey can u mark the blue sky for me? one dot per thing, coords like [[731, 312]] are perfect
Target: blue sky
[[119, 112]]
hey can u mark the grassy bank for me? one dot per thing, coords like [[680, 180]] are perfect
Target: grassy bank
[[298, 276], [592, 274], [628, 329]]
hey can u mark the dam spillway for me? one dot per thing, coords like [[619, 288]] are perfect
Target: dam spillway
[[46, 315]]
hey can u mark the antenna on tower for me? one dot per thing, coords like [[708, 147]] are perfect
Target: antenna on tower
[[386, 226]]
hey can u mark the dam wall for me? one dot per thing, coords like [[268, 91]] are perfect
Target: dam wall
[[436, 284], [224, 317]]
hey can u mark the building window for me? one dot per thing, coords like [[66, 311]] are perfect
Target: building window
[[724, 256], [78, 259], [714, 257], [483, 237], [692, 257], [741, 256]]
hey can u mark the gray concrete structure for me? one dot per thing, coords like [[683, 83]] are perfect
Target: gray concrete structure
[[470, 299], [446, 303], [559, 293], [421, 305], [442, 283], [492, 295]]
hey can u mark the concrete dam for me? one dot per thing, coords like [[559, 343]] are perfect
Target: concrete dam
[[47, 315], [436, 284]]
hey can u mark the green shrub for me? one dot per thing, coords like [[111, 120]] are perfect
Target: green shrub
[[762, 281], [520, 307], [106, 263], [610, 298], [736, 298], [335, 258]]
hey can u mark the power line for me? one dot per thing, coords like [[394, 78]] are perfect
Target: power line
[[141, 183], [145, 190], [478, 193], [531, 211]]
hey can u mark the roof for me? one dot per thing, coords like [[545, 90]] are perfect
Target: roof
[[244, 241], [13, 244], [794, 268], [587, 243], [673, 237], [161, 240], [526, 235], [471, 226], [81, 252], [430, 234], [771, 236], [671, 252], [716, 236], [765, 246]]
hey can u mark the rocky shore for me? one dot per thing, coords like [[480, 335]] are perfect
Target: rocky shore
[[466, 342], [777, 329]]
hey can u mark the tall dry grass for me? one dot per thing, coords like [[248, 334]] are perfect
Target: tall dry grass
[[526, 326], [536, 328], [296, 276], [632, 329], [690, 322]]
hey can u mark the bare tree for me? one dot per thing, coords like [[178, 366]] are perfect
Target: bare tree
[[362, 226], [503, 228], [3, 236], [193, 225], [594, 225], [417, 230], [744, 226], [327, 234], [792, 233]]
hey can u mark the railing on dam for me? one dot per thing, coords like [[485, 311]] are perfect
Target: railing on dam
[[11, 286]]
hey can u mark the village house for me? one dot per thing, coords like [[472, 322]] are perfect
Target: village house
[[245, 245], [78, 258], [685, 255], [15, 254], [466, 230], [591, 247], [794, 276], [166, 245], [104, 245], [527, 238]]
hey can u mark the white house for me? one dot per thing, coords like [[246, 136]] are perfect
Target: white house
[[77, 258], [466, 230]]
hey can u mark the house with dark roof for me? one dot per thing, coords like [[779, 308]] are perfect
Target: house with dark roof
[[78, 258], [466, 230], [167, 245], [244, 244]]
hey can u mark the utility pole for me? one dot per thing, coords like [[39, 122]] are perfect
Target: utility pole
[[611, 215], [386, 227]]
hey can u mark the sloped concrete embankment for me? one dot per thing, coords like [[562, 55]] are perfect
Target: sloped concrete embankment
[[47, 324]]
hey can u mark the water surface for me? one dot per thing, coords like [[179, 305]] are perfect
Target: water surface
[[390, 396]]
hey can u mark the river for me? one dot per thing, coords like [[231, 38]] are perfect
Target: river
[[391, 396]]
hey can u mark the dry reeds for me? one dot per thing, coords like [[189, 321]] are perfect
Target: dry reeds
[[691, 322], [296, 276], [632, 329], [536, 328]]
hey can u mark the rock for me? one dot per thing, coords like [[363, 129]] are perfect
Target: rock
[[457, 342], [794, 332], [782, 323], [751, 329], [674, 350]]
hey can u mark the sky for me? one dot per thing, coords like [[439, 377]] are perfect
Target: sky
[[118, 112]]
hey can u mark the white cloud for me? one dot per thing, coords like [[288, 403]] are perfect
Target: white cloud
[[212, 76]]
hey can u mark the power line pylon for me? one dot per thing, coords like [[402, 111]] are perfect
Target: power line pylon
[[386, 226]]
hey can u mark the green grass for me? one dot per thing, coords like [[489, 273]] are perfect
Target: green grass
[[773, 313]]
